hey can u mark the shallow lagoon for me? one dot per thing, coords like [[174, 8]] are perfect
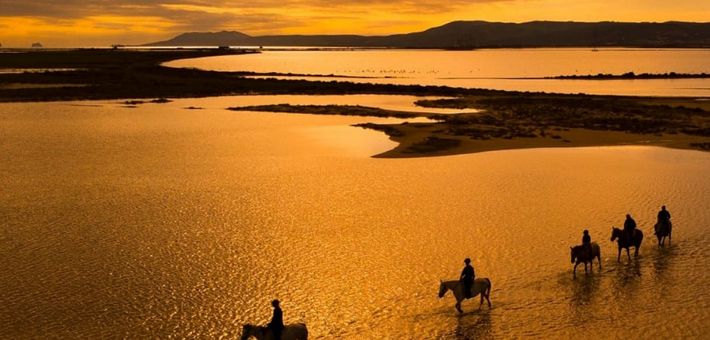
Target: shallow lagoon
[[160, 222], [500, 69]]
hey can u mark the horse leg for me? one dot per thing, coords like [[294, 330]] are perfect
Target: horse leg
[[574, 272], [488, 295], [618, 256], [585, 268], [599, 258], [458, 307], [628, 253], [482, 296]]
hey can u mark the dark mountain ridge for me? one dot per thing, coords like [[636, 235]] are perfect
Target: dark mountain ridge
[[482, 34]]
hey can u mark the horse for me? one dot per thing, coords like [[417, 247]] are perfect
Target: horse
[[295, 331], [580, 254], [663, 228], [480, 286], [625, 242]]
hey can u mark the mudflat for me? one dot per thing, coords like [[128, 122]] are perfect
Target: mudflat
[[489, 119]]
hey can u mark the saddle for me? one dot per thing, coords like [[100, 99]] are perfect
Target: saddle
[[662, 227], [468, 293], [631, 235], [588, 250]]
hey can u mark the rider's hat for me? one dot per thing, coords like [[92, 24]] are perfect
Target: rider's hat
[[467, 260]]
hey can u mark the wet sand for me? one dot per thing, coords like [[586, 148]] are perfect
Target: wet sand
[[497, 120]]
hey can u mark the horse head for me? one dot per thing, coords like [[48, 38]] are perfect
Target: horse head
[[249, 330], [246, 330], [614, 233], [442, 289]]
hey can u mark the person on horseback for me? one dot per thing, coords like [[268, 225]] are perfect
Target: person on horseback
[[277, 321], [630, 227], [663, 217], [467, 277], [587, 243]]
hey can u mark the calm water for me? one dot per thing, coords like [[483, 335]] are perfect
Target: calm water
[[162, 222], [495, 69]]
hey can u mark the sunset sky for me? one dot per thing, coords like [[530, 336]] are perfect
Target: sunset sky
[[75, 23]]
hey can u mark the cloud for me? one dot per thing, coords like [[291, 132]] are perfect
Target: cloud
[[133, 18], [80, 8]]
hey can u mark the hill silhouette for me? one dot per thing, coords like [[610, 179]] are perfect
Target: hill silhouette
[[482, 34], [223, 38]]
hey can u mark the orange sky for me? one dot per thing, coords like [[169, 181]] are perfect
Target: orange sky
[[76, 23]]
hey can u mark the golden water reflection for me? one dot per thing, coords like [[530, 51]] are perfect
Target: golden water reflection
[[159, 222]]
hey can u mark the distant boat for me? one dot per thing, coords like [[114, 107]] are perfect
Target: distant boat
[[37, 45]]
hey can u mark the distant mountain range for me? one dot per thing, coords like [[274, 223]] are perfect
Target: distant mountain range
[[482, 34]]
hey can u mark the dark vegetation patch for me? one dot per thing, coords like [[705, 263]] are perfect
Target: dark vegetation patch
[[154, 101], [390, 130], [432, 144], [701, 146], [632, 75], [345, 110], [522, 115]]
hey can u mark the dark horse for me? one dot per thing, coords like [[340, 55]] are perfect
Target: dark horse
[[663, 228], [580, 254], [625, 242]]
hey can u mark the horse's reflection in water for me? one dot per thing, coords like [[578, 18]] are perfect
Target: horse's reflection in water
[[473, 326], [628, 279], [661, 262], [585, 300]]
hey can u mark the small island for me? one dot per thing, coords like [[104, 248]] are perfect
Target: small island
[[501, 120], [632, 75]]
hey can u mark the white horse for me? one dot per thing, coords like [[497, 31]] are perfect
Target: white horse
[[480, 286], [296, 331]]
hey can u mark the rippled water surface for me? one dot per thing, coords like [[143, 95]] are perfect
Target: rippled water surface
[[163, 222], [502, 69]]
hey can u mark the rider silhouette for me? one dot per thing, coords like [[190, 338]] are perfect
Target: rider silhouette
[[629, 227], [587, 243], [277, 321], [663, 217], [467, 277]]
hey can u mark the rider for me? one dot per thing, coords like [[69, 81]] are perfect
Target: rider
[[277, 321], [629, 227], [467, 277], [587, 243], [664, 216]]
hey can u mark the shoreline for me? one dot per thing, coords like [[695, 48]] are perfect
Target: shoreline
[[503, 120]]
